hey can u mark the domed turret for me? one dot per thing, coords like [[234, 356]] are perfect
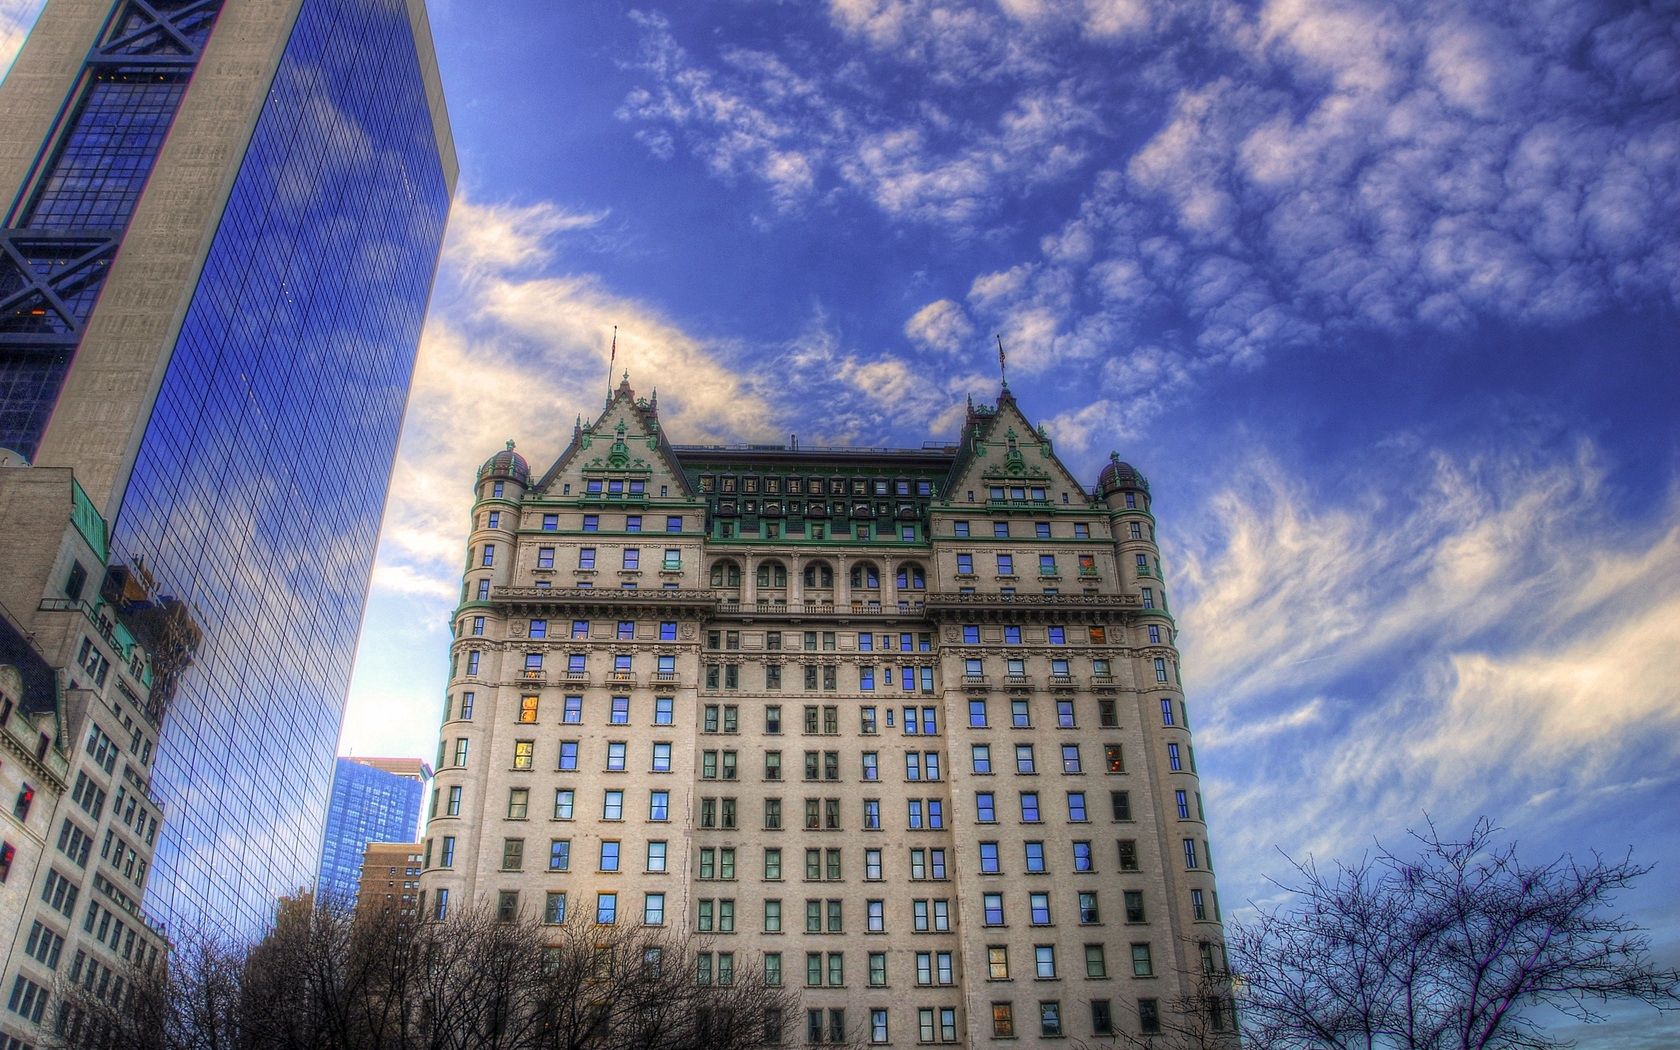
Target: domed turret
[[506, 464], [1120, 475]]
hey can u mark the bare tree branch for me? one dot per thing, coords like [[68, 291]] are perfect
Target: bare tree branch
[[1447, 949]]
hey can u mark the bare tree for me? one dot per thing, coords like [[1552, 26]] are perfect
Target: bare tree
[[329, 978], [1444, 950], [188, 1000]]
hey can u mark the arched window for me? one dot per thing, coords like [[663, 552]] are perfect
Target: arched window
[[911, 578], [819, 575], [726, 574], [866, 576], [772, 574]]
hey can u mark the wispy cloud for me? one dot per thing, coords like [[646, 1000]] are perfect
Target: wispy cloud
[[1359, 657], [515, 350], [805, 129], [1312, 170], [16, 16]]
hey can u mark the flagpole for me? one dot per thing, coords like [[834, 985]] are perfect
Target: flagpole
[[612, 360], [1003, 374]]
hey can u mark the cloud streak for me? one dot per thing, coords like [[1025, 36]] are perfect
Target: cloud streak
[[1358, 659]]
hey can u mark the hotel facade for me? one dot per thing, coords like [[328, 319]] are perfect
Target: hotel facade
[[902, 728]]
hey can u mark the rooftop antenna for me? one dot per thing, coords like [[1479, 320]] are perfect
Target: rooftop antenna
[[1002, 374], [612, 360]]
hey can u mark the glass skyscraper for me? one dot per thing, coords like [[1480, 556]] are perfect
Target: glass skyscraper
[[212, 280], [373, 800]]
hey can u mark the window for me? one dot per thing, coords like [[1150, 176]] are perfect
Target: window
[[519, 803], [977, 713], [522, 752], [1006, 565], [513, 854], [965, 564], [572, 711], [609, 856], [467, 700], [1082, 856], [1038, 905], [1070, 759], [1024, 761], [1096, 963], [1198, 905], [997, 962], [656, 855], [1089, 915], [559, 854], [1190, 853], [1050, 1018], [653, 909], [876, 916], [446, 856], [1183, 802], [612, 806], [563, 798], [985, 809], [452, 808], [615, 756], [659, 802], [1044, 962], [1134, 906], [1121, 804], [959, 528], [1020, 714], [1149, 1010], [1128, 855], [1142, 965], [1035, 857], [1029, 807], [1003, 1020], [989, 858], [992, 909], [981, 758], [568, 754], [591, 523], [606, 908]]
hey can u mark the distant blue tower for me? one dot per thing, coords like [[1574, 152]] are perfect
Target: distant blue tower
[[373, 800], [224, 222]]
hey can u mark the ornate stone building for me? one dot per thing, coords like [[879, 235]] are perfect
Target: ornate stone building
[[902, 727]]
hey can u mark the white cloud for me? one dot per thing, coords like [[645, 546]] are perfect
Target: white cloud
[[1355, 657], [488, 237], [535, 346], [16, 16], [1311, 170], [941, 325]]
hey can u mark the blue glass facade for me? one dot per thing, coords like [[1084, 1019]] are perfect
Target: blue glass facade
[[367, 805], [260, 481], [57, 246]]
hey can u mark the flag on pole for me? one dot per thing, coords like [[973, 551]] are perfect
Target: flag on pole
[[1002, 358]]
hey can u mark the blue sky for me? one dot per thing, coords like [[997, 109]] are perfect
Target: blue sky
[[1381, 296]]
